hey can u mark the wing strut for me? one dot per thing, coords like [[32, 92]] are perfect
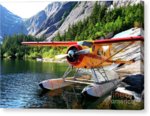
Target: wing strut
[[114, 54]]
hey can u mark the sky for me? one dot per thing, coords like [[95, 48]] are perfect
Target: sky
[[25, 8]]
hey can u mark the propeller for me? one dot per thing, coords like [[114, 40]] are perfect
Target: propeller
[[72, 53], [61, 56]]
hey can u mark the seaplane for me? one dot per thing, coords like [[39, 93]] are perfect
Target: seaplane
[[94, 56]]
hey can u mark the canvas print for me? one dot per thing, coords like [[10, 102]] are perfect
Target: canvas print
[[72, 54]]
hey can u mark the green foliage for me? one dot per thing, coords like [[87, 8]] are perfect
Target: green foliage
[[98, 25], [12, 48], [103, 21]]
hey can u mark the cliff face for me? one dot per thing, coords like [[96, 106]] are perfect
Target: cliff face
[[34, 23], [119, 3], [58, 16], [10, 23], [49, 19], [84, 9], [80, 12]]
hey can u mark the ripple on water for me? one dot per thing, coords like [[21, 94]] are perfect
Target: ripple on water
[[21, 90]]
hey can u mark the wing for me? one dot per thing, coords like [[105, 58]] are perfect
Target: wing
[[95, 42], [117, 40], [69, 43], [120, 49]]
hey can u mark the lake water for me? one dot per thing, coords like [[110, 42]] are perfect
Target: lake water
[[19, 86]]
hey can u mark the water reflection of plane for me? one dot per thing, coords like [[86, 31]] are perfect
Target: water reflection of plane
[[70, 95], [93, 56]]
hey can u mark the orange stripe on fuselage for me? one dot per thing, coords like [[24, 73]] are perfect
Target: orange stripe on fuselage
[[94, 59]]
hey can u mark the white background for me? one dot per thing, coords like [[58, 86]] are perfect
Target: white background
[[54, 112], [25, 8]]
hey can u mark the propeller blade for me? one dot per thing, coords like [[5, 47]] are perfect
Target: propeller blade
[[71, 53], [61, 56], [84, 51]]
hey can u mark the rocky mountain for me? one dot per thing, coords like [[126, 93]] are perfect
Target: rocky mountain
[[119, 3], [57, 17], [82, 10], [49, 20], [34, 23], [10, 23]]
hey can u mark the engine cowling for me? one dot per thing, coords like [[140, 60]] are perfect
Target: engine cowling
[[73, 58]]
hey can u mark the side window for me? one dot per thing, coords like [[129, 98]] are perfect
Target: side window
[[99, 53], [93, 48]]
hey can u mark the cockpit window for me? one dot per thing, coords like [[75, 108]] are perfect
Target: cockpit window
[[85, 43]]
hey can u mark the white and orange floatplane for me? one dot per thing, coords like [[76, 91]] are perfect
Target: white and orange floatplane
[[92, 55]]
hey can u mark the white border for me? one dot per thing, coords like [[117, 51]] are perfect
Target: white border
[[54, 112]]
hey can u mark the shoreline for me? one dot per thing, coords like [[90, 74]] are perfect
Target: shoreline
[[50, 60]]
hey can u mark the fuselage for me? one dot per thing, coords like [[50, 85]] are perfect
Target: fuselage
[[97, 57]]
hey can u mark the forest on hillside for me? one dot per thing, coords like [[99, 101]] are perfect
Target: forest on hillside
[[104, 21], [100, 24], [12, 48]]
